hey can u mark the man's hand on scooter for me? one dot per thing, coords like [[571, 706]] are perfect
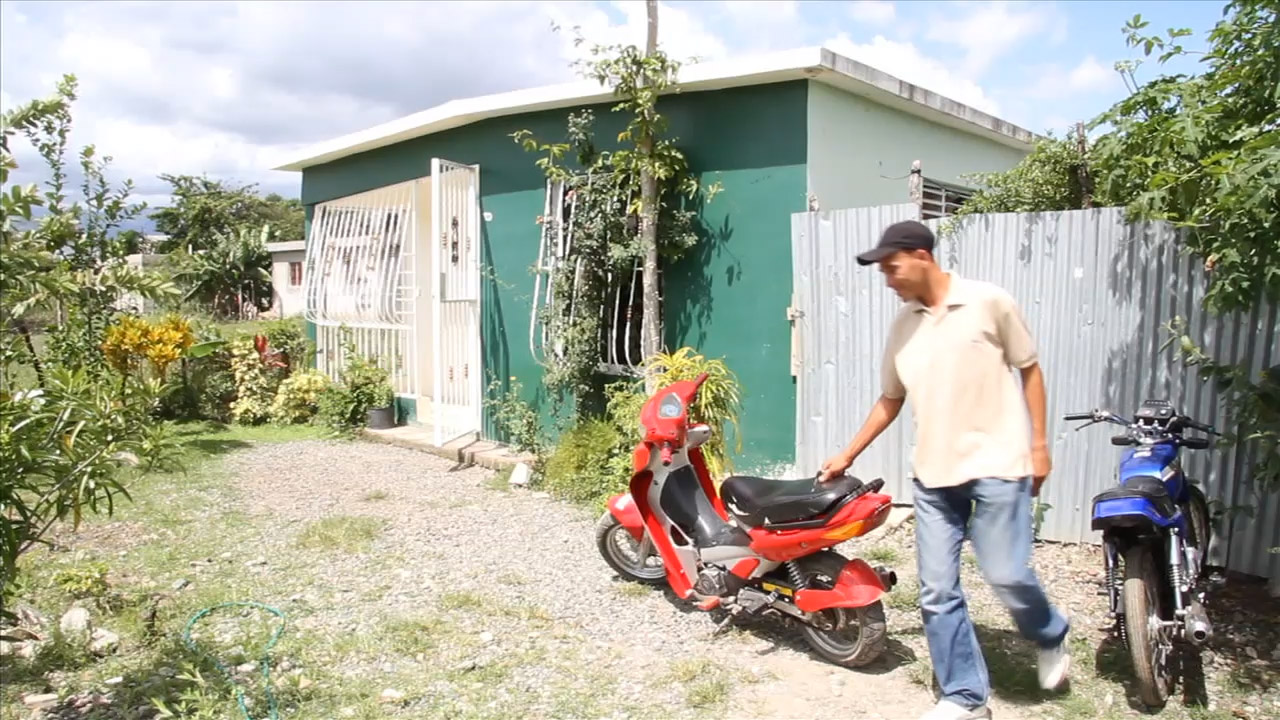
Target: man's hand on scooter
[[835, 467]]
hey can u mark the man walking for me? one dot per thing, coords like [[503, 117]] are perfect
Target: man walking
[[977, 463]]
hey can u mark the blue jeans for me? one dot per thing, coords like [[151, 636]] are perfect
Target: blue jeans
[[998, 516]]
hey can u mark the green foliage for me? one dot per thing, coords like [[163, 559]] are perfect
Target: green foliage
[[1203, 151], [578, 470], [231, 277], [83, 581], [70, 430], [204, 210], [515, 419], [592, 459], [1049, 178], [1255, 409], [298, 397], [364, 386], [256, 384], [717, 403], [66, 449]]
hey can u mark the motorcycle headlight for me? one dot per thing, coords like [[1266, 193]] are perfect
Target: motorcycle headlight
[[670, 407]]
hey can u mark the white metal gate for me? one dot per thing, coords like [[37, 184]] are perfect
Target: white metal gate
[[455, 277], [360, 277]]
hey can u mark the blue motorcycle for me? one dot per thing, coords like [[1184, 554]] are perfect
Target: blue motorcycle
[[1155, 532]]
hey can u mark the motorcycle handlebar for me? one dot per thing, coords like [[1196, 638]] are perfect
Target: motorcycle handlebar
[[1077, 416]]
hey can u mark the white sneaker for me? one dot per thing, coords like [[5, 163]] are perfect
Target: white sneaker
[[947, 710], [1054, 664]]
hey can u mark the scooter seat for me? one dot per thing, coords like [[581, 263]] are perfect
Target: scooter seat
[[1142, 488], [760, 501]]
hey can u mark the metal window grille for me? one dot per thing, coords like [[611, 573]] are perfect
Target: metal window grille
[[359, 282], [939, 199], [621, 313]]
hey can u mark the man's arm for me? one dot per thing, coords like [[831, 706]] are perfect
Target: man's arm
[[1033, 388], [1020, 352]]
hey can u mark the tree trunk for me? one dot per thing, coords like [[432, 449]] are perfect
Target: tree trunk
[[651, 334]]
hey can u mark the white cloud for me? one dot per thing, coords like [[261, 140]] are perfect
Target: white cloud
[[872, 12], [1087, 79], [990, 30], [226, 88], [905, 62], [1092, 76]]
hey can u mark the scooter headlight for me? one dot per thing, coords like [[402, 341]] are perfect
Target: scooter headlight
[[670, 407]]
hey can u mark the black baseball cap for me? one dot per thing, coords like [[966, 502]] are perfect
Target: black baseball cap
[[907, 235]]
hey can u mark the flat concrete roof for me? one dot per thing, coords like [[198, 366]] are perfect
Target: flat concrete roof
[[287, 246], [816, 63]]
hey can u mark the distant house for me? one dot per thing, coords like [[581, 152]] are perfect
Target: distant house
[[287, 295], [422, 232]]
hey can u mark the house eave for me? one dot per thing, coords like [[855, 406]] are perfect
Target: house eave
[[817, 63]]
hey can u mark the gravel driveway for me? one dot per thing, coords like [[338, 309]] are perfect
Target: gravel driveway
[[531, 618]]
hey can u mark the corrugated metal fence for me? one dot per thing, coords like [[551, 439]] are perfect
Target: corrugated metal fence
[[1097, 293]]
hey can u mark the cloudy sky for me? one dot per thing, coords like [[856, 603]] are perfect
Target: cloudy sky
[[228, 88]]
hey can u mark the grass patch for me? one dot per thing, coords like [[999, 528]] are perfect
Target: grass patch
[[633, 589], [349, 533], [500, 480], [705, 684], [905, 597], [374, 495], [881, 554]]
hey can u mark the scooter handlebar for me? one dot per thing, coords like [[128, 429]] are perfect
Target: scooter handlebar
[[666, 454]]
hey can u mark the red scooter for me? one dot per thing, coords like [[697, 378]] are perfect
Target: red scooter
[[761, 545]]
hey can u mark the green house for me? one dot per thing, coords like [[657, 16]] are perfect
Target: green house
[[424, 238]]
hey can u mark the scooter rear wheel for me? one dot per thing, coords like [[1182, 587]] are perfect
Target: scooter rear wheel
[[611, 536], [859, 635]]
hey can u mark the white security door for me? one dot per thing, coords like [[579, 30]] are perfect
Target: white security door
[[455, 277]]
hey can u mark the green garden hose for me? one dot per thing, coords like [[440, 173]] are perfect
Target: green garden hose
[[266, 654]]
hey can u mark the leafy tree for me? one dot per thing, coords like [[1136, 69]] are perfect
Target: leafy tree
[[1199, 151], [232, 277], [204, 209], [67, 429]]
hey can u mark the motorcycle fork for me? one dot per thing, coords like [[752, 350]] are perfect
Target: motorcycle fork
[[1111, 563]]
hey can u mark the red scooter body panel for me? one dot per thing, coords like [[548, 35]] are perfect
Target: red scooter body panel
[[859, 517], [857, 586], [622, 507]]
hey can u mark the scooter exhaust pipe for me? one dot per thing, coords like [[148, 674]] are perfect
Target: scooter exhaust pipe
[[1199, 630], [888, 578]]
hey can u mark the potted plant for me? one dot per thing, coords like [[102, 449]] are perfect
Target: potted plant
[[381, 406]]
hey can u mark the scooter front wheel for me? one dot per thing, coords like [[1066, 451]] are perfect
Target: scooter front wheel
[[858, 636], [632, 560]]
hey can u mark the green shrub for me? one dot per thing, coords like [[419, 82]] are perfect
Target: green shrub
[[298, 397], [255, 385], [585, 466]]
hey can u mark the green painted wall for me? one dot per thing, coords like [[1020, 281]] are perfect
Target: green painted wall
[[727, 300], [854, 143]]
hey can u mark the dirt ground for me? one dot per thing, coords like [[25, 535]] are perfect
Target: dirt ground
[[417, 589]]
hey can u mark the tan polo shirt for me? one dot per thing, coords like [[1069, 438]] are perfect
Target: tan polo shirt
[[954, 368]]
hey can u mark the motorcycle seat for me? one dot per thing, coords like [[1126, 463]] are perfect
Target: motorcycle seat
[[763, 501], [1150, 489]]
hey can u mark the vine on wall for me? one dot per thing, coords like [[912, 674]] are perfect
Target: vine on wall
[[603, 190]]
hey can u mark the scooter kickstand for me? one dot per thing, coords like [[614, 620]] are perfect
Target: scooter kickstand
[[724, 624]]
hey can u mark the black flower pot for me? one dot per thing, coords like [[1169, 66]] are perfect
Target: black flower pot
[[382, 418]]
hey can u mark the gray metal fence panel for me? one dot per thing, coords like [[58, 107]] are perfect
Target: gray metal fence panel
[[845, 313], [1097, 292]]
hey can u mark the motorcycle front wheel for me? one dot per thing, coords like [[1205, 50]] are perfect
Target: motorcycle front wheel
[[625, 555], [1143, 626], [858, 635]]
